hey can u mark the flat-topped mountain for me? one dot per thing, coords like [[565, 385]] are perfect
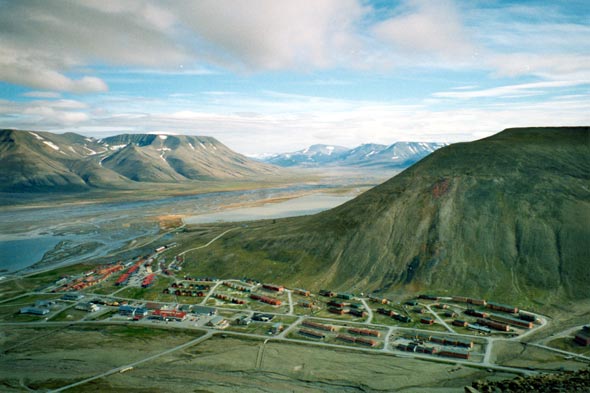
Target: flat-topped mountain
[[43, 161], [506, 217], [398, 155]]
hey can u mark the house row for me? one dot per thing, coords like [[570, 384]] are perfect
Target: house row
[[359, 340], [511, 321], [265, 299], [319, 326], [229, 299], [237, 287], [273, 287], [461, 299], [365, 332], [502, 307], [452, 341]]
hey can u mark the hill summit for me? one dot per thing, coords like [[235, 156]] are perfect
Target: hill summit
[[506, 217]]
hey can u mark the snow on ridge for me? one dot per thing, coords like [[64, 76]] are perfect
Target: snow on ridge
[[191, 146], [51, 144], [163, 137], [330, 150], [88, 139], [395, 157], [92, 152], [202, 145], [305, 151], [39, 137], [164, 149], [71, 149], [117, 147], [370, 154]]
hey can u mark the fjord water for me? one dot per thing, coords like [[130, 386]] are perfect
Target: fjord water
[[26, 235], [301, 206]]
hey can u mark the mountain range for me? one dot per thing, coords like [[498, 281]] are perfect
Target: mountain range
[[43, 161], [398, 155], [505, 217]]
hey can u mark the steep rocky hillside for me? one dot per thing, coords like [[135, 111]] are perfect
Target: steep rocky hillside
[[505, 217]]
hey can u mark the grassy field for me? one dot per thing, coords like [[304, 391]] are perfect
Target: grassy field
[[62, 356]]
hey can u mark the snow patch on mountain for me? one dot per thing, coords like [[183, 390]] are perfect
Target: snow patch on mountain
[[39, 137], [52, 145]]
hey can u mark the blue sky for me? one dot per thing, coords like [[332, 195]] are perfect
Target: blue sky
[[267, 76]]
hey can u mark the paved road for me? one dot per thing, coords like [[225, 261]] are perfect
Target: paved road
[[147, 359]]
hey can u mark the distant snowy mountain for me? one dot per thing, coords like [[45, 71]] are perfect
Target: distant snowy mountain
[[397, 155], [312, 156]]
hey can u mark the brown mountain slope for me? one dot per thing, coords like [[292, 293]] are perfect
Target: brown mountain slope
[[506, 217], [47, 162]]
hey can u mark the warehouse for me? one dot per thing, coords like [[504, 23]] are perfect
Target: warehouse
[[494, 325], [526, 316], [311, 333], [302, 292], [502, 307], [458, 322], [475, 313], [34, 311], [455, 353], [511, 321], [72, 296], [131, 311], [358, 313], [478, 328], [218, 322], [262, 317], [402, 318], [365, 332], [266, 299], [87, 306], [320, 326], [273, 287]]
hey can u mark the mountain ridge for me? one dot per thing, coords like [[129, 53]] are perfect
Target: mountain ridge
[[35, 161]]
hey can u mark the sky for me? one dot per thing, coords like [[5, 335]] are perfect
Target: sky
[[270, 76]]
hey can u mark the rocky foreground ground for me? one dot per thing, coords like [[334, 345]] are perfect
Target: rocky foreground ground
[[578, 381]]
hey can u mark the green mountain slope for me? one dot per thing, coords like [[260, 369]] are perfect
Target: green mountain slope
[[506, 217]]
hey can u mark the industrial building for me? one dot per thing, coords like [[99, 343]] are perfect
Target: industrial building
[[87, 306], [34, 310], [72, 296], [218, 322]]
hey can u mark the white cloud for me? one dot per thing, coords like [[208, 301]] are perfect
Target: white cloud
[[272, 35], [42, 113], [42, 94], [519, 90], [431, 28]]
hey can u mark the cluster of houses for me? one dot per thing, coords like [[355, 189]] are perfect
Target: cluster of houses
[[89, 279], [131, 271], [187, 289]]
